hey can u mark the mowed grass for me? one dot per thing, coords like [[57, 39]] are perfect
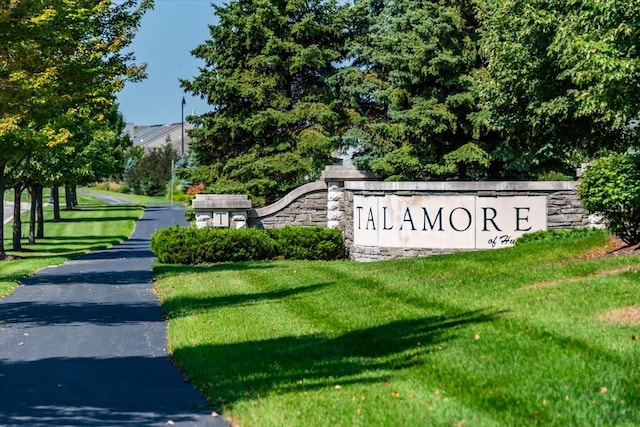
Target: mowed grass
[[513, 337], [92, 225], [134, 198]]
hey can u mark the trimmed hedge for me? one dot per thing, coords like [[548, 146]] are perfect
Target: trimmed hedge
[[188, 245]]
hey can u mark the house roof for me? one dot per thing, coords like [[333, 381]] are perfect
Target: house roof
[[157, 136]]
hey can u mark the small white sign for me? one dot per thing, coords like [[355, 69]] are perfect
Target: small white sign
[[445, 222], [220, 219]]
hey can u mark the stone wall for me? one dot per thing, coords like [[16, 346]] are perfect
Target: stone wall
[[329, 203], [304, 206], [564, 209]]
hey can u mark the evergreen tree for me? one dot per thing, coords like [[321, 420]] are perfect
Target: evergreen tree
[[412, 83], [275, 121], [149, 173]]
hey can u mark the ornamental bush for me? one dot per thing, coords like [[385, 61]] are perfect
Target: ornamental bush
[[610, 186], [310, 243], [188, 245]]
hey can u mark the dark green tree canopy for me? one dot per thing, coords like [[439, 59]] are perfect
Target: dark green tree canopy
[[427, 89], [562, 82], [275, 120], [412, 82]]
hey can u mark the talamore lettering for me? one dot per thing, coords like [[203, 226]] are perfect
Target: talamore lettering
[[446, 221]]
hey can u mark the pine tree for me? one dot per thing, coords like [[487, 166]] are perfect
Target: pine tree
[[275, 121], [412, 82]]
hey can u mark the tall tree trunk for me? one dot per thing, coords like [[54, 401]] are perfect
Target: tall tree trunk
[[3, 165], [74, 195], [68, 201], [17, 221], [39, 210], [55, 199], [32, 218]]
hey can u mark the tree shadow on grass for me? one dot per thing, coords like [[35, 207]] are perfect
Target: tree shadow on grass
[[176, 306], [103, 219], [254, 369], [102, 207]]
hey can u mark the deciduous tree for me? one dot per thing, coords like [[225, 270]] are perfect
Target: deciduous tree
[[562, 82], [60, 63]]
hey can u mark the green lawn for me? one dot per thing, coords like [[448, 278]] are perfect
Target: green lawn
[[513, 337], [135, 198], [92, 225]]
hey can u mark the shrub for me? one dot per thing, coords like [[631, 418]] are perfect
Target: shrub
[[187, 245], [610, 186], [195, 189], [311, 243], [175, 245], [180, 196]]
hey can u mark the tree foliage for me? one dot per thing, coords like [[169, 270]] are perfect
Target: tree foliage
[[610, 186], [61, 63], [562, 81], [412, 84], [446, 89], [275, 121], [149, 173]]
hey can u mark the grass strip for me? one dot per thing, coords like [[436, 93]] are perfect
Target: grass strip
[[134, 198], [92, 225], [519, 336]]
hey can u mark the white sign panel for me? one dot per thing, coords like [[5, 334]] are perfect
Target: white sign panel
[[504, 219], [445, 222], [220, 219]]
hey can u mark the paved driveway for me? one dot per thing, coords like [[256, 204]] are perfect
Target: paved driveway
[[83, 344], [8, 211]]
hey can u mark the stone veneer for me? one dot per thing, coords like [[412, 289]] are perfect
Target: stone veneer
[[329, 203], [564, 209], [304, 206]]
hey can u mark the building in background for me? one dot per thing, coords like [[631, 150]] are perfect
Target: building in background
[[157, 136]]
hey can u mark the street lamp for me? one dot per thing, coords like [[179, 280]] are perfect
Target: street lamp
[[182, 126]]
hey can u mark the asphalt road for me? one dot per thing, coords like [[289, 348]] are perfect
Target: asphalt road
[[83, 344], [8, 211]]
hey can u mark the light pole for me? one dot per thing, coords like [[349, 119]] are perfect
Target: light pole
[[182, 126]]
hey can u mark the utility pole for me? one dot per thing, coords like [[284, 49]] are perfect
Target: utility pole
[[182, 126]]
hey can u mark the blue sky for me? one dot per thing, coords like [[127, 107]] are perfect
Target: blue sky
[[167, 35]]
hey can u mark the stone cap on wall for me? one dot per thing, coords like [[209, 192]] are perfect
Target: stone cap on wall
[[461, 185], [346, 173], [221, 201], [288, 199]]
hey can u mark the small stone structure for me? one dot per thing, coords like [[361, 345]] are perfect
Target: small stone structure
[[344, 196], [221, 210]]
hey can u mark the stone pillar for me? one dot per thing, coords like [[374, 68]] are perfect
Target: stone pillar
[[340, 201], [221, 210], [335, 196]]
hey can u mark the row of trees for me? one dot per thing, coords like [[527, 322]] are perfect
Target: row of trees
[[446, 89], [61, 64]]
